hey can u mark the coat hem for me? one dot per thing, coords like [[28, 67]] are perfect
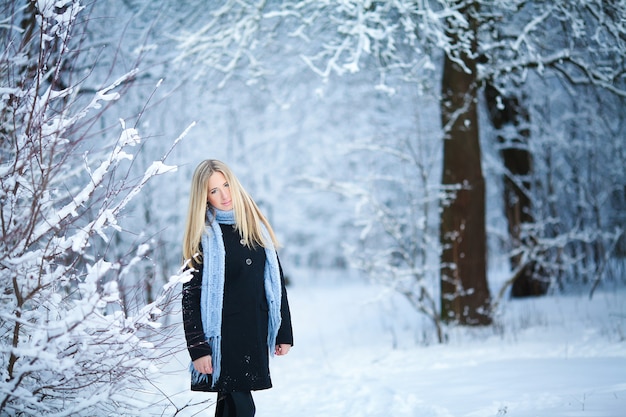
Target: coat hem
[[206, 388]]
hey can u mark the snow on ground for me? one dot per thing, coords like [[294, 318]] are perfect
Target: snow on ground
[[360, 350]]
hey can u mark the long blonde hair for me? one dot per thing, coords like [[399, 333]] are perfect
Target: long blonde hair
[[248, 217]]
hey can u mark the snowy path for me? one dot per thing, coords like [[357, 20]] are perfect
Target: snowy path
[[558, 358]]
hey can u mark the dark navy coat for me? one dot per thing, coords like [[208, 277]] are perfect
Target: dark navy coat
[[245, 356]]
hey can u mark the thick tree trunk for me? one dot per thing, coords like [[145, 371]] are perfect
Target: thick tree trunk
[[517, 205], [464, 291]]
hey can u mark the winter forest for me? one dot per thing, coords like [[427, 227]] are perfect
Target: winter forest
[[446, 178]]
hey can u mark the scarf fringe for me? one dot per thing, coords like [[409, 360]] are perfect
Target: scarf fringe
[[196, 377]]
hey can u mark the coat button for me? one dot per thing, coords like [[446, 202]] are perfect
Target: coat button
[[249, 261]]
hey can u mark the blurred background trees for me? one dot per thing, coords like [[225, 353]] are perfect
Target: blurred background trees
[[512, 62], [485, 94]]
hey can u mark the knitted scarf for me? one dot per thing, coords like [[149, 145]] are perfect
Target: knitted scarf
[[212, 293]]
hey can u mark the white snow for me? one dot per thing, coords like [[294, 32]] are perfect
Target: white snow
[[552, 356]]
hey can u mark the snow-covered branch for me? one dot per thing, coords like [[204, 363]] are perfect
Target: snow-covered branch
[[66, 345]]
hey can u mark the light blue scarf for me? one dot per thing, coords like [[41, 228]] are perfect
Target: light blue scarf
[[212, 294]]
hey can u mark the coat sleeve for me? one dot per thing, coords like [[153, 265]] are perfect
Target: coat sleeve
[[192, 317], [285, 333]]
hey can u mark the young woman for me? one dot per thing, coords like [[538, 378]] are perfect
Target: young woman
[[235, 308]]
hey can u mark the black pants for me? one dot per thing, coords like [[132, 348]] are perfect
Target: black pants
[[235, 404]]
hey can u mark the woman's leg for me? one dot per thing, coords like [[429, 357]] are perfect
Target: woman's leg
[[223, 405], [243, 404]]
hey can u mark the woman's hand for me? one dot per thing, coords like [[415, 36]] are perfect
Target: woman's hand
[[204, 365], [282, 349]]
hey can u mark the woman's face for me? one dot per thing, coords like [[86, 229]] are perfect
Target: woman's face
[[219, 192]]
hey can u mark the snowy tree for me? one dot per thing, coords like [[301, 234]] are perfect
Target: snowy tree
[[479, 42], [482, 42], [464, 290], [67, 348], [546, 66]]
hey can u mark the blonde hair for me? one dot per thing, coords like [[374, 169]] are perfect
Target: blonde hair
[[248, 217]]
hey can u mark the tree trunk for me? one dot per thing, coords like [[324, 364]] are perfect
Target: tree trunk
[[517, 205], [464, 290]]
